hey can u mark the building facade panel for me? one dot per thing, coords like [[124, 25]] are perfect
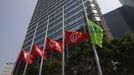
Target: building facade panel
[[73, 13]]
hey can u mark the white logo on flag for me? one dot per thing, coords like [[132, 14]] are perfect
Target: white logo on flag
[[75, 36], [51, 43], [26, 55]]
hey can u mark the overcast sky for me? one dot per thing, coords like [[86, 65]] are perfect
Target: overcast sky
[[108, 5], [15, 16]]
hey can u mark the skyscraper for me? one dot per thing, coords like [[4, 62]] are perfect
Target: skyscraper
[[74, 19], [51, 12], [120, 19]]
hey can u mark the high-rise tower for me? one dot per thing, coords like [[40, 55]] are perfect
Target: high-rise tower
[[120, 18], [74, 19], [51, 12]]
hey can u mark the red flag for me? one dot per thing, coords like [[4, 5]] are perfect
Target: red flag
[[45, 54], [24, 57], [30, 60], [36, 51], [73, 37], [54, 45]]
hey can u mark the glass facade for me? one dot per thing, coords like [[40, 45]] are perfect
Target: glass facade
[[73, 18]]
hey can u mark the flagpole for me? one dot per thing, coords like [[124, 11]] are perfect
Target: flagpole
[[24, 72], [40, 70], [63, 52], [67, 47], [94, 48], [97, 60]]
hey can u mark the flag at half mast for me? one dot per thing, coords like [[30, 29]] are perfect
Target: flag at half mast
[[96, 33]]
